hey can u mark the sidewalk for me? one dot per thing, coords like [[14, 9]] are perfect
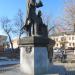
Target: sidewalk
[[6, 61]]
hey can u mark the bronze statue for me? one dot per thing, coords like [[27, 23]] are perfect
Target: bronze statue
[[34, 24], [30, 15]]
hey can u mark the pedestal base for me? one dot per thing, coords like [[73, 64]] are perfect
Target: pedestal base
[[34, 62]]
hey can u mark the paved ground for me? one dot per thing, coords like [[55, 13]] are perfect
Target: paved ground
[[11, 70], [54, 69], [69, 68]]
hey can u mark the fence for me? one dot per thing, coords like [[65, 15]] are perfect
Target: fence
[[10, 53]]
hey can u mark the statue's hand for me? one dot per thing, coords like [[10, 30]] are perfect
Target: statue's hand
[[40, 4], [28, 22]]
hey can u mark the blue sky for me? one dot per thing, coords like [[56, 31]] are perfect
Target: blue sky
[[9, 8]]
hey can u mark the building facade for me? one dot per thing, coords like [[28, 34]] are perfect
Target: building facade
[[68, 38], [2, 43], [15, 43]]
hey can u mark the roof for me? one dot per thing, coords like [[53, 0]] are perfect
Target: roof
[[62, 33]]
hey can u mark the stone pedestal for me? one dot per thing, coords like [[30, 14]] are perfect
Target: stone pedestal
[[34, 63], [34, 55]]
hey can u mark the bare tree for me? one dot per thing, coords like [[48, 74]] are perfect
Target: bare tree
[[19, 23], [7, 27], [69, 14], [47, 20]]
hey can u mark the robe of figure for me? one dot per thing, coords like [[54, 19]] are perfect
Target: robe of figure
[[31, 8]]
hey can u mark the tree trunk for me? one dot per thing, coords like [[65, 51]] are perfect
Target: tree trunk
[[11, 43]]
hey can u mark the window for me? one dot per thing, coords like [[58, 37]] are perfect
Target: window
[[72, 38], [56, 39], [69, 44], [57, 45], [73, 44], [69, 38], [62, 38]]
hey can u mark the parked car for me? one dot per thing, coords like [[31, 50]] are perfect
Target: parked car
[[58, 53], [55, 50]]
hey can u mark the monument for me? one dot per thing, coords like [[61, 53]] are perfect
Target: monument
[[34, 47]]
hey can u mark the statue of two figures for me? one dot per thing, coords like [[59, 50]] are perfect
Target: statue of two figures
[[34, 24]]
